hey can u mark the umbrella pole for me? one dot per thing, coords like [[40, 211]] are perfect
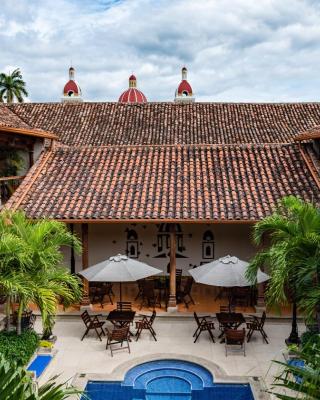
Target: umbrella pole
[[120, 292]]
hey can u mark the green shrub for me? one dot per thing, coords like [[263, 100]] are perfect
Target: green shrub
[[310, 338], [18, 348]]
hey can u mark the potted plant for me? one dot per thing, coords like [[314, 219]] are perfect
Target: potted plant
[[292, 351], [45, 346]]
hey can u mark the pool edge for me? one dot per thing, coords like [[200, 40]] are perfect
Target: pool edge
[[257, 384]]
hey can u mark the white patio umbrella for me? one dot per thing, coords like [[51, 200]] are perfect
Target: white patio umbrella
[[120, 269], [226, 271]]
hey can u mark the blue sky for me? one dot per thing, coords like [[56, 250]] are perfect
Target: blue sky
[[235, 50]]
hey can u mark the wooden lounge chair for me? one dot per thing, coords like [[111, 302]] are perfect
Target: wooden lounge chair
[[204, 324], [185, 294], [118, 336], [235, 338], [257, 324], [92, 323], [124, 306], [146, 323]]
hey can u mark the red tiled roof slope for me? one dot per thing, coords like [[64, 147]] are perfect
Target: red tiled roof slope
[[216, 183], [10, 119], [96, 124], [309, 134]]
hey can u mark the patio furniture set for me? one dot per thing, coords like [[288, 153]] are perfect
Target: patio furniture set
[[121, 318], [153, 292], [229, 321]]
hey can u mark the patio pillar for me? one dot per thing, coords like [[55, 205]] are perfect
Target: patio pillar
[[172, 303], [85, 302]]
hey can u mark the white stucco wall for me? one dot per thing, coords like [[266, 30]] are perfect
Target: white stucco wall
[[106, 240], [37, 149]]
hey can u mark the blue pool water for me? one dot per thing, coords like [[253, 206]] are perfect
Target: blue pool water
[[39, 364], [167, 380]]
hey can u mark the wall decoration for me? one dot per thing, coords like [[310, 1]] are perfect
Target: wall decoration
[[208, 245], [132, 249], [163, 241]]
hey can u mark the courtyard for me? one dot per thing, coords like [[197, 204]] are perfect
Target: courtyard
[[174, 340]]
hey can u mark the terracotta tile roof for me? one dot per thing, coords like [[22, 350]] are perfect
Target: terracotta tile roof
[[309, 134], [185, 183], [98, 124], [10, 119], [10, 122]]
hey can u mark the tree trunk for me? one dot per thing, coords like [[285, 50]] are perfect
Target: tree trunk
[[294, 336], [19, 315], [8, 306]]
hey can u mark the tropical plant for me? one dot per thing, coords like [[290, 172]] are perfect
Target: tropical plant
[[16, 384], [12, 87], [292, 255], [11, 161], [31, 267], [18, 348], [300, 380]]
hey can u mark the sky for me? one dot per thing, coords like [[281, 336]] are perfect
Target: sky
[[235, 50]]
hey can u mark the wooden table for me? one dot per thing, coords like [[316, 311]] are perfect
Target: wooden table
[[229, 321], [121, 318]]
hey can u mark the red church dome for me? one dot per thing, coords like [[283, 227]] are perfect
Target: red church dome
[[71, 88], [184, 91], [184, 88], [132, 95]]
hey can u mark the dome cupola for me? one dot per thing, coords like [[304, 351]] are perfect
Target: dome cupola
[[71, 90], [132, 94], [184, 92]]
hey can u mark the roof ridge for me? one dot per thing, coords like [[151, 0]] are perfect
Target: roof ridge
[[59, 145]]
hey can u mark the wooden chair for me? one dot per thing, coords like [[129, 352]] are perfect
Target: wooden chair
[[241, 296], [92, 323], [204, 324], [124, 306], [140, 287], [227, 308], [118, 336], [146, 323], [234, 337], [149, 297], [257, 324], [178, 279], [99, 293], [185, 294]]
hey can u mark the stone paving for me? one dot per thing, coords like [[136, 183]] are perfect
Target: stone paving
[[174, 337]]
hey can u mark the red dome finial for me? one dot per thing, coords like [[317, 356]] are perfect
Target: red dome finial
[[71, 90], [184, 92], [132, 95]]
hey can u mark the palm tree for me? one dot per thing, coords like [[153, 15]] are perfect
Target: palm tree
[[292, 257], [37, 266], [12, 87], [16, 383]]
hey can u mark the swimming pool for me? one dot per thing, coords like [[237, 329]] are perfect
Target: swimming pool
[[167, 380]]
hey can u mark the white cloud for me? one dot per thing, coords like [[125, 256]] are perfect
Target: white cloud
[[235, 50]]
